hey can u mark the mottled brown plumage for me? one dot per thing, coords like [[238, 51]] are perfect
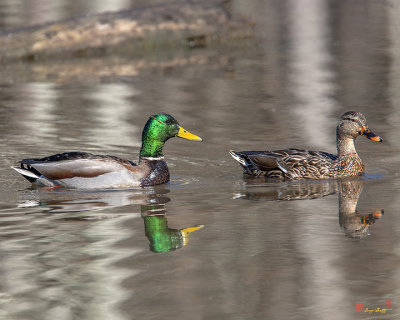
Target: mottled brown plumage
[[294, 164]]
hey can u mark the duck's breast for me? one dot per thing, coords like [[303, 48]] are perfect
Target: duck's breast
[[157, 172]]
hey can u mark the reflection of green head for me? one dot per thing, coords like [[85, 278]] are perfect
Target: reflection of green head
[[158, 129], [162, 238]]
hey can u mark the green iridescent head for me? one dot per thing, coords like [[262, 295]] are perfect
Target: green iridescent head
[[158, 129]]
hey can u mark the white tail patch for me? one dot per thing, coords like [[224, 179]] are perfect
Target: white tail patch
[[25, 172], [281, 167], [238, 158]]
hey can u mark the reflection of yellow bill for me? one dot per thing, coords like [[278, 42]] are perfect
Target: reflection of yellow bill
[[187, 135], [185, 233]]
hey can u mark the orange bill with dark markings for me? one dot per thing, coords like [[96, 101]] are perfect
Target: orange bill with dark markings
[[377, 214], [368, 133]]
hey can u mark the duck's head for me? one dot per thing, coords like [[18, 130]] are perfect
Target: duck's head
[[159, 128], [162, 126], [352, 124]]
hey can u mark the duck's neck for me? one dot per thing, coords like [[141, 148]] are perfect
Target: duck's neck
[[152, 148], [345, 145]]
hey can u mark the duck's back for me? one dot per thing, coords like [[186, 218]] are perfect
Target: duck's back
[[287, 164]]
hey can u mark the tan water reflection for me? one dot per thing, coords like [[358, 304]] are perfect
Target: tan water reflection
[[54, 263], [65, 245]]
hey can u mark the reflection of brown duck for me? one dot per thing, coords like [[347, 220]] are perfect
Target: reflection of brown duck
[[351, 221], [258, 189]]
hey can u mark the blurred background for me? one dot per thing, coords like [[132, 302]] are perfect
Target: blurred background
[[308, 250]]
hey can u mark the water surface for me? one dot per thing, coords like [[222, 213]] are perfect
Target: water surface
[[303, 250]]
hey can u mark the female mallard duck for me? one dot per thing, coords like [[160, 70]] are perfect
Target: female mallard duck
[[293, 164], [86, 171]]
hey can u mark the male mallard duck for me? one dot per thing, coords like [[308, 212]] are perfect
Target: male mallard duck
[[86, 171], [293, 164]]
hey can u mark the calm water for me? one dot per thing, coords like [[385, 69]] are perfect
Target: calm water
[[306, 250]]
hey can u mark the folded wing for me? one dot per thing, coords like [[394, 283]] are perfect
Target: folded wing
[[75, 164]]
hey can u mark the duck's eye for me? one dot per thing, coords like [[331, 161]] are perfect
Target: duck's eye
[[364, 130], [168, 121]]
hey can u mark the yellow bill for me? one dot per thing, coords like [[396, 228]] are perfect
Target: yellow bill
[[187, 135]]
